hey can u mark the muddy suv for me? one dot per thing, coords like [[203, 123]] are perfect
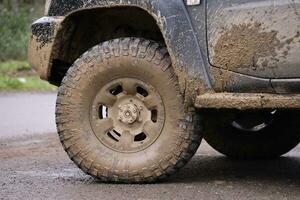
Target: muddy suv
[[141, 82]]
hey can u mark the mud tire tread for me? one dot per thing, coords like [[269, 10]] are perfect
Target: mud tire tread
[[83, 156]]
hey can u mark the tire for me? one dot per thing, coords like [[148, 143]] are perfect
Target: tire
[[97, 118], [278, 138]]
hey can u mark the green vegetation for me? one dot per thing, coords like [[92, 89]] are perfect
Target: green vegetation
[[13, 66], [24, 84], [15, 19], [17, 75], [15, 23]]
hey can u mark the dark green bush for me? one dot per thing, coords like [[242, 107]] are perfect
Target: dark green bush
[[14, 29]]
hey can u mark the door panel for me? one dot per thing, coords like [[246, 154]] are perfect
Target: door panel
[[255, 37]]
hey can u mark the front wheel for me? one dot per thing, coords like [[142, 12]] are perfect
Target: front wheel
[[252, 134], [120, 115]]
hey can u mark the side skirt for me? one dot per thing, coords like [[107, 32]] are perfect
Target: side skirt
[[243, 101]]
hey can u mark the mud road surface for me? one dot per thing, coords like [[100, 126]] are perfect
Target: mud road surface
[[34, 166]]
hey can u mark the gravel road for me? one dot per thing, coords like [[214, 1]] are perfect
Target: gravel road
[[33, 165]]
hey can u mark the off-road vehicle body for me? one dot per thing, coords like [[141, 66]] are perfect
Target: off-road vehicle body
[[142, 81]]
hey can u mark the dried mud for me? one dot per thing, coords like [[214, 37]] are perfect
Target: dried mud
[[244, 101], [44, 34], [222, 79], [189, 88], [250, 46]]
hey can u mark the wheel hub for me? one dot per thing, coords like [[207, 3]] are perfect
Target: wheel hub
[[128, 114]]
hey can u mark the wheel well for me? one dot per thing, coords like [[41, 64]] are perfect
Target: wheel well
[[84, 29]]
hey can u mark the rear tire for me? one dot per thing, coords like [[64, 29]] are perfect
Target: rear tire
[[278, 138], [106, 103]]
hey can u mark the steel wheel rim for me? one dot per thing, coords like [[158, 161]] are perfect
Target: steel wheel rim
[[127, 115], [260, 125]]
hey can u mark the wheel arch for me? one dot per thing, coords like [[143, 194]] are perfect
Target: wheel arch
[[82, 29], [167, 22]]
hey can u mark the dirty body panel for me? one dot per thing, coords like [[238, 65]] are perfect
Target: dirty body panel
[[173, 21], [224, 80], [40, 45], [250, 37], [247, 47]]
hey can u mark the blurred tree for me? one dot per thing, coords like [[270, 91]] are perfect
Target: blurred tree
[[17, 4], [15, 19]]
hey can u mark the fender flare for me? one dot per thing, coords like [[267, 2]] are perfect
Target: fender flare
[[176, 27]]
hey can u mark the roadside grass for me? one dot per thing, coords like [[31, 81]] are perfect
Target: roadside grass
[[18, 76], [15, 20], [13, 66]]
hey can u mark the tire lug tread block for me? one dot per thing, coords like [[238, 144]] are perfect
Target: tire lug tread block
[[148, 61]]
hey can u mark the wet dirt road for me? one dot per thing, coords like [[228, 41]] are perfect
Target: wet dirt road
[[36, 167]]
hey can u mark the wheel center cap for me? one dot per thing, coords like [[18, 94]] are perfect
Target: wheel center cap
[[129, 113]]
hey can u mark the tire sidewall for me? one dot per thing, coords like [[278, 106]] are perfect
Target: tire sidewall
[[275, 140], [94, 76]]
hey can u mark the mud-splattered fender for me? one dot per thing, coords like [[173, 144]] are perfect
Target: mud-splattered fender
[[40, 47], [174, 22]]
